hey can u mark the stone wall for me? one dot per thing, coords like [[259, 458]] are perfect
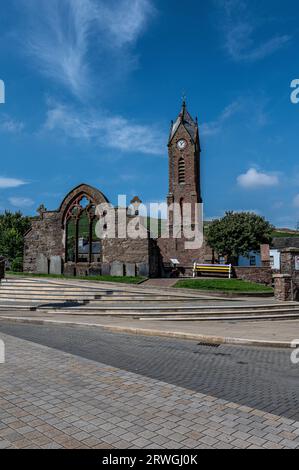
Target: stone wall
[[136, 256], [44, 252], [175, 249], [43, 241], [260, 275]]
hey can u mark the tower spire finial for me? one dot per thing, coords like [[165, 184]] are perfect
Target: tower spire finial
[[184, 99]]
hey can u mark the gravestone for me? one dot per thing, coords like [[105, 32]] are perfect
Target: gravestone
[[42, 264], [95, 271], [117, 269], [55, 265], [130, 270], [106, 269], [70, 270], [143, 269]]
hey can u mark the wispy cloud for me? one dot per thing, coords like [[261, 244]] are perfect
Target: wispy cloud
[[248, 109], [241, 29], [107, 131], [62, 33], [10, 182], [214, 127], [253, 179], [296, 201], [10, 125], [21, 202]]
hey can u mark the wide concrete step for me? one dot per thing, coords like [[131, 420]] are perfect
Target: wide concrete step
[[14, 295], [47, 291], [196, 308], [45, 299], [171, 312], [46, 288], [224, 316], [96, 294]]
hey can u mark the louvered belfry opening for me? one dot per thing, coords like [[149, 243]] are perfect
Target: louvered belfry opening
[[182, 170]]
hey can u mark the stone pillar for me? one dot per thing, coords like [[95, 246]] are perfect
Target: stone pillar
[[283, 287], [289, 264]]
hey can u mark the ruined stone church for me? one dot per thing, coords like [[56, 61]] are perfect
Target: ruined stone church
[[65, 241]]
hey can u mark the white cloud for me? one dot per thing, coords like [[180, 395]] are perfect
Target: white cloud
[[114, 132], [296, 201], [10, 125], [62, 33], [10, 182], [255, 179], [240, 29], [21, 202]]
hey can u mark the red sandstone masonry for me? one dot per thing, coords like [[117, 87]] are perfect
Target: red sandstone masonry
[[260, 275]]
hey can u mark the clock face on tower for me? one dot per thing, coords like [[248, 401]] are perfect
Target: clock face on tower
[[182, 144]]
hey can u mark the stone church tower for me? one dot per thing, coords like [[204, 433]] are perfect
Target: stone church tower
[[184, 162], [184, 188], [184, 157]]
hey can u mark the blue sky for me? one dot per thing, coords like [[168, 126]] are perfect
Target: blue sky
[[91, 87]]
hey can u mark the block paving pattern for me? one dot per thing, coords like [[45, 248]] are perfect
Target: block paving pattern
[[51, 399]]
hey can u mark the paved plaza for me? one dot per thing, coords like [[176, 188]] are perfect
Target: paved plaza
[[54, 399]]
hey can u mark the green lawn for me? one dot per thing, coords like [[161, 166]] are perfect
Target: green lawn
[[124, 280], [224, 285], [278, 234]]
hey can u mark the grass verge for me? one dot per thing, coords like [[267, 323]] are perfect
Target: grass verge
[[224, 285]]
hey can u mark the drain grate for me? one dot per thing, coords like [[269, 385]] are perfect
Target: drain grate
[[209, 345]]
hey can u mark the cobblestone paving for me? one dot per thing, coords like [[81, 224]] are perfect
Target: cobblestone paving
[[262, 378], [52, 399]]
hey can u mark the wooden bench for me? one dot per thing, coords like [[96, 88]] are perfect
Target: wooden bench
[[212, 269]]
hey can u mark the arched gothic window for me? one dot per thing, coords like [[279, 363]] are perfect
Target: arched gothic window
[[181, 170], [82, 243]]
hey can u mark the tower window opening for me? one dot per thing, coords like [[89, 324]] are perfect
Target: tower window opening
[[182, 171]]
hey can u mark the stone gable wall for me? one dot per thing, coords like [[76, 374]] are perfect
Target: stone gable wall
[[45, 238]]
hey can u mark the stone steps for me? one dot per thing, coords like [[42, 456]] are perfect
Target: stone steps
[[41, 291], [174, 311], [247, 316], [121, 301]]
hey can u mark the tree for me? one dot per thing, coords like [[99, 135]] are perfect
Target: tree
[[13, 227], [238, 233]]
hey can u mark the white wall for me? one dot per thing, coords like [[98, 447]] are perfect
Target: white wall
[[276, 259]]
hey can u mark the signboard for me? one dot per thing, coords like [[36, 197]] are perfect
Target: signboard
[[297, 263], [175, 262]]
